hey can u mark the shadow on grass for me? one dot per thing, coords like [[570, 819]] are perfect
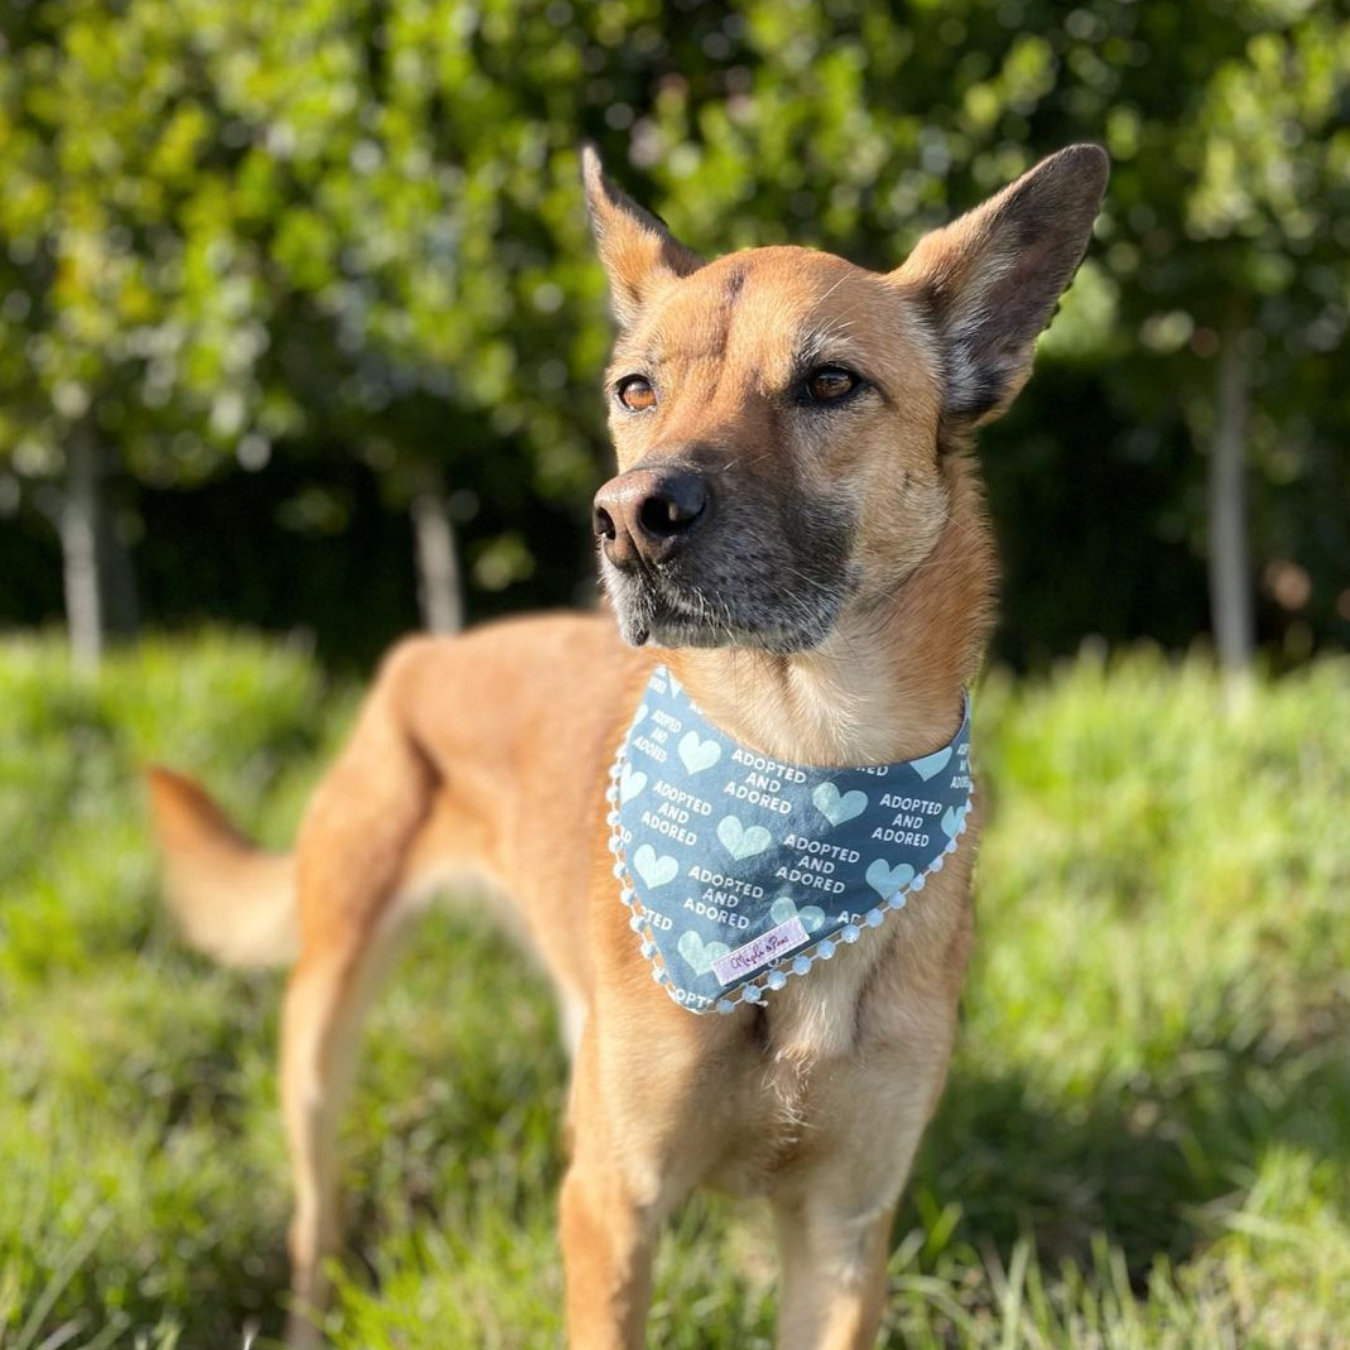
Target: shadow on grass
[[1154, 1162]]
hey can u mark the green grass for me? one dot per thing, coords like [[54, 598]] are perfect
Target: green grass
[[1145, 1142]]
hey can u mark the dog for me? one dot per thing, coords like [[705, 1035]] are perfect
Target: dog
[[796, 544]]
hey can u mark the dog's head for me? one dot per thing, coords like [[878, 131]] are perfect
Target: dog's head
[[782, 417]]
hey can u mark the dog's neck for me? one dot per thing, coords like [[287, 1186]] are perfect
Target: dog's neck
[[886, 685]]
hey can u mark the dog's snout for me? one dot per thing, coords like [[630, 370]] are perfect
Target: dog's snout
[[647, 514], [673, 505]]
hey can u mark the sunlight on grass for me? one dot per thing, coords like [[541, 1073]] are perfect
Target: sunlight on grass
[[1145, 1141]]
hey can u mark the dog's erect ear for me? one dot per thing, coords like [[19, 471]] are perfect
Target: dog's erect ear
[[637, 250], [991, 279]]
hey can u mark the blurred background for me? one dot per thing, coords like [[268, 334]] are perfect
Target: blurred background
[[300, 326], [300, 348]]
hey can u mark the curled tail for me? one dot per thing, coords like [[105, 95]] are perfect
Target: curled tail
[[232, 900]]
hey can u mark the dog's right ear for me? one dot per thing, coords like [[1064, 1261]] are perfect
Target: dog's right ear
[[637, 251]]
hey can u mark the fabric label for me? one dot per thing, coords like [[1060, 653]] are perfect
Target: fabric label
[[748, 959]]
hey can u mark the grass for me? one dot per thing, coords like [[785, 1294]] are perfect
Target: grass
[[1145, 1142]]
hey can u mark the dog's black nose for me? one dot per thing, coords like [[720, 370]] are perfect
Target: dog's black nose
[[648, 513]]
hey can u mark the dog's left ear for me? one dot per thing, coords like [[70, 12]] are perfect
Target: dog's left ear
[[991, 279], [637, 250]]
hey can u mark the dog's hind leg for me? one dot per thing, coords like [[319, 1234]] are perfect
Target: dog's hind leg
[[354, 857], [328, 993]]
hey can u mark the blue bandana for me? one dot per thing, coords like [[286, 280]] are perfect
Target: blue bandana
[[740, 871]]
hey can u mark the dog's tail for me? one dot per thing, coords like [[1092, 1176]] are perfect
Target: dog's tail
[[232, 900]]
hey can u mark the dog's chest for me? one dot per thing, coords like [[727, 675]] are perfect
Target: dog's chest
[[816, 1020], [802, 1059]]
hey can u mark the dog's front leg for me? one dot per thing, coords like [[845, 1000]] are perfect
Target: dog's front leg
[[608, 1241], [623, 1181], [833, 1289], [834, 1219]]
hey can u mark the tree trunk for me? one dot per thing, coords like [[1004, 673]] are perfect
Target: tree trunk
[[438, 582], [1230, 593], [100, 591], [85, 619]]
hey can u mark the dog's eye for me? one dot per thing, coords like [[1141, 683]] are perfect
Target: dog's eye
[[635, 393], [829, 384]]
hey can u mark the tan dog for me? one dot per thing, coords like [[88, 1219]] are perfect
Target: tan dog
[[797, 525]]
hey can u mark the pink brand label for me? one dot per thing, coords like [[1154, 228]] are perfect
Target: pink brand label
[[765, 948]]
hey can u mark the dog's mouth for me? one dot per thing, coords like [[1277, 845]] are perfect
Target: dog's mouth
[[669, 610], [652, 609]]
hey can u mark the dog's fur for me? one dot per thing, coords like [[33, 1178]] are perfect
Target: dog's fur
[[829, 609]]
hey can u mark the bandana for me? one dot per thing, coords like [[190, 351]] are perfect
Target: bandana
[[740, 871]]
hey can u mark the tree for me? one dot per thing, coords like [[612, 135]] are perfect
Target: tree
[[236, 233], [125, 344], [206, 256]]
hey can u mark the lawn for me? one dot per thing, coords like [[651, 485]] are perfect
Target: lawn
[[1145, 1142]]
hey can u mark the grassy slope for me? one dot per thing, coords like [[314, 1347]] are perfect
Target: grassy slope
[[1146, 1140]]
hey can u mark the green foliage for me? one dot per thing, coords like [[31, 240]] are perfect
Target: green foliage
[[322, 231], [213, 255], [1145, 1141]]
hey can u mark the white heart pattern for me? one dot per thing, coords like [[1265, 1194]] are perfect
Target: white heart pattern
[[740, 842], [931, 765], [700, 955], [631, 782], [653, 870], [697, 753], [785, 908], [835, 808], [886, 880]]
